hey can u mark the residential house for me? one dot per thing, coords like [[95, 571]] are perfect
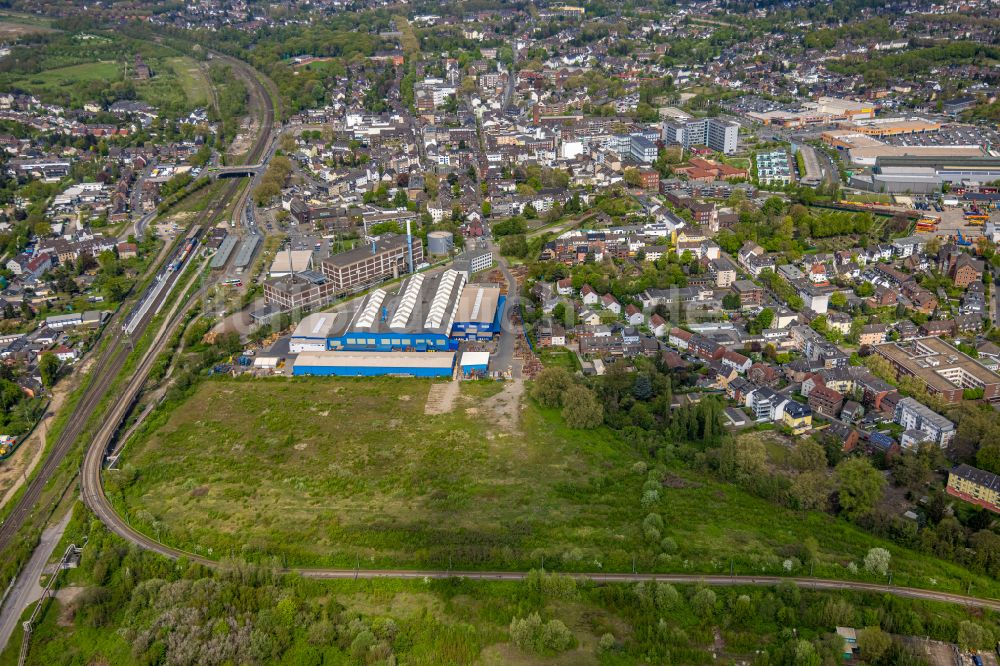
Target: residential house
[[873, 334], [680, 338], [964, 270], [610, 303], [736, 361], [851, 411], [589, 317], [706, 348], [658, 325], [796, 416], [825, 401], [633, 315], [763, 375]]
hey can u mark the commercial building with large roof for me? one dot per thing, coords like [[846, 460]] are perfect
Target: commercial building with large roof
[[304, 290], [479, 311], [823, 110], [892, 126], [942, 369], [427, 313], [370, 364]]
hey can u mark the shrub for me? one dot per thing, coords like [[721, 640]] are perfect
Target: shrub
[[582, 409], [650, 498], [556, 636], [667, 597], [703, 602], [530, 635], [877, 561], [552, 586], [524, 631]]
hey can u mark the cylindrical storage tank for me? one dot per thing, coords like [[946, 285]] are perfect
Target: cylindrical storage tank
[[440, 242]]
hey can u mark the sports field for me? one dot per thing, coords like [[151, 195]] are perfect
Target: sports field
[[341, 472]]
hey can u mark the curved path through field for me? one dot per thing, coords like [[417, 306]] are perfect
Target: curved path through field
[[113, 521], [93, 495]]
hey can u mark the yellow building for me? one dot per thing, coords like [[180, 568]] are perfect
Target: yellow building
[[797, 417], [975, 486]]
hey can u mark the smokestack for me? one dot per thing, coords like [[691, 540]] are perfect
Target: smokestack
[[373, 248], [409, 246]]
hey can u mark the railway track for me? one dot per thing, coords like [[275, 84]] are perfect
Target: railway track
[[107, 367], [117, 346]]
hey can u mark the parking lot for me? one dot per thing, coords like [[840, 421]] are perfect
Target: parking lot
[[949, 135], [952, 219], [755, 104]]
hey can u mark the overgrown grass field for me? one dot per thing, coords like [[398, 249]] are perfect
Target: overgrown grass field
[[178, 84], [347, 472]]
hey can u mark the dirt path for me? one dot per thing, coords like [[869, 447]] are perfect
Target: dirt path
[[19, 466], [441, 398], [505, 406]]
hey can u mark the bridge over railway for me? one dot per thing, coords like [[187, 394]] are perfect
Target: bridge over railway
[[242, 171]]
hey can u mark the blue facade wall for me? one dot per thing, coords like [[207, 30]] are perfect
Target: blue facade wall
[[467, 330], [391, 342], [351, 371]]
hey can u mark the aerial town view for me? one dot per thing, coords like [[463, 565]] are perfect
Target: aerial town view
[[499, 332]]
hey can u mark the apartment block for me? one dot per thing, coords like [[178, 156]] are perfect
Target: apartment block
[[975, 486], [719, 135]]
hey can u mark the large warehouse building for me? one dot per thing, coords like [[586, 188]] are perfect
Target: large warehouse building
[[371, 364], [428, 313]]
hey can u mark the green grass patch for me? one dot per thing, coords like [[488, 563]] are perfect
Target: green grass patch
[[67, 76], [559, 357], [337, 472], [194, 82]]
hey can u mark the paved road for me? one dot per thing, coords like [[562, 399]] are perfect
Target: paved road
[[504, 356], [27, 590]]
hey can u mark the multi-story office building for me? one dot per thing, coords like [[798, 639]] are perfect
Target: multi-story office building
[[370, 264], [720, 135]]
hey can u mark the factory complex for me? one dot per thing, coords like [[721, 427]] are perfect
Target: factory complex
[[415, 331]]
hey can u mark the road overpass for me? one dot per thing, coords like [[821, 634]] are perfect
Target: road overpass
[[244, 171]]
